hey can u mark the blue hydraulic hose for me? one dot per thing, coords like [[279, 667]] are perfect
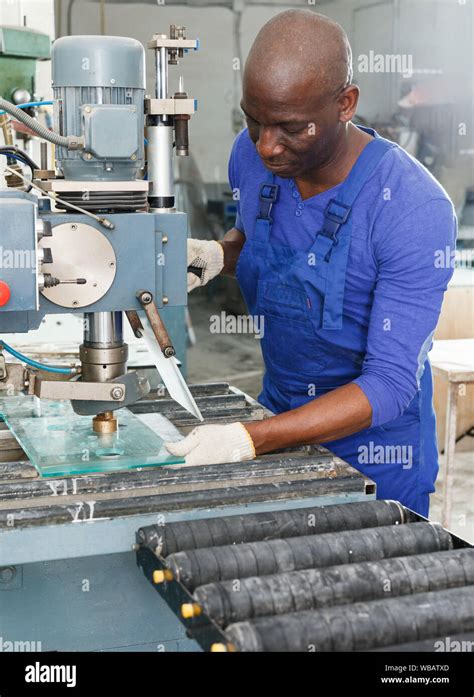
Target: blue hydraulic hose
[[33, 363], [27, 105], [14, 157]]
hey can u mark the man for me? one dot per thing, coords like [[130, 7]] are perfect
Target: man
[[334, 246]]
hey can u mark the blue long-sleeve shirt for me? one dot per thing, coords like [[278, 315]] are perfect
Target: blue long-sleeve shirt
[[400, 262]]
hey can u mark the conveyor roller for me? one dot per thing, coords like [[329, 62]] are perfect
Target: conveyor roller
[[196, 567], [209, 532], [360, 626], [228, 602], [368, 576]]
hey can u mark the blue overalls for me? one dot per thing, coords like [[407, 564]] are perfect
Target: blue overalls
[[309, 349]]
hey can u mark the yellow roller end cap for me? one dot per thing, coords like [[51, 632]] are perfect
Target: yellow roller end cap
[[218, 648], [189, 610], [162, 575]]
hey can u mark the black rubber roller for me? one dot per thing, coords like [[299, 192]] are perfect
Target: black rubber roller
[[361, 626], [209, 532], [234, 601], [197, 567]]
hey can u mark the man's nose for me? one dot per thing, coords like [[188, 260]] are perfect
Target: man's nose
[[267, 144]]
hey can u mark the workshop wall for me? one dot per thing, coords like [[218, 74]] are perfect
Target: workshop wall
[[424, 30]]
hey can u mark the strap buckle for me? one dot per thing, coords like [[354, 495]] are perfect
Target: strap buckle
[[333, 220], [268, 196], [341, 219], [269, 193]]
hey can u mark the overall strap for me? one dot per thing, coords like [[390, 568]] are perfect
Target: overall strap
[[267, 197], [331, 245]]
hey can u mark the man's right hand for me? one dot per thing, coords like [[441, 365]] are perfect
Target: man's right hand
[[207, 255]]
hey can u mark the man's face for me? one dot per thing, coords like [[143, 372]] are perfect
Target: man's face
[[294, 128]]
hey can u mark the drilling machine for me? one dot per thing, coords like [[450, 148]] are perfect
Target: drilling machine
[[113, 242]]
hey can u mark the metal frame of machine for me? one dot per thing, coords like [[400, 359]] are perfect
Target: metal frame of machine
[[119, 241]]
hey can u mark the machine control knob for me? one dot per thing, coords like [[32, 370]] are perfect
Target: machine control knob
[[4, 293]]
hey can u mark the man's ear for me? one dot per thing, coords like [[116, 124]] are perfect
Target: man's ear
[[348, 101]]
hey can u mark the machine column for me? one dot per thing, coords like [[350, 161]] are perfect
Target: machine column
[[103, 356]]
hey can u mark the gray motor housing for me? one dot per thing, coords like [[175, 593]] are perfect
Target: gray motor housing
[[98, 89]]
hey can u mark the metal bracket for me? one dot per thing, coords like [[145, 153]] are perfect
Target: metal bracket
[[77, 390], [172, 107], [160, 41], [16, 378], [135, 387]]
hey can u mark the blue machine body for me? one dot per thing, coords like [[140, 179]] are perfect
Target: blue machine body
[[99, 85], [143, 263], [18, 256]]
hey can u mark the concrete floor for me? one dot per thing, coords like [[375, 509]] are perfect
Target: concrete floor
[[232, 358], [236, 358], [462, 518]]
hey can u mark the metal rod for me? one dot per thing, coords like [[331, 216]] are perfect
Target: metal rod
[[44, 155], [145, 298], [103, 329], [105, 222], [135, 323]]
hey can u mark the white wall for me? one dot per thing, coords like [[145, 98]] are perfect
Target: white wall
[[437, 33], [208, 74]]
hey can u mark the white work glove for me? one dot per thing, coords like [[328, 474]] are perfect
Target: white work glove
[[215, 444], [208, 255]]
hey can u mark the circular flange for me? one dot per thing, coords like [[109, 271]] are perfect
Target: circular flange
[[79, 251]]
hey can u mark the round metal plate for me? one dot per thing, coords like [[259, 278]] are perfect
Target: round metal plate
[[79, 251]]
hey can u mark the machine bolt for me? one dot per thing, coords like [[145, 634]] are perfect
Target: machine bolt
[[74, 226], [164, 239], [116, 393], [87, 109], [7, 574], [75, 303], [133, 157], [165, 300], [88, 156], [112, 81], [111, 264], [146, 298]]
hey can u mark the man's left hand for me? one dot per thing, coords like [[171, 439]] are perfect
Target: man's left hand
[[215, 445]]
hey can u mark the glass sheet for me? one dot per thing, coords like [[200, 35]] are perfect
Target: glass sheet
[[59, 442]]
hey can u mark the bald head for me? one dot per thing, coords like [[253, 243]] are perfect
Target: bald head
[[298, 98], [302, 46]]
